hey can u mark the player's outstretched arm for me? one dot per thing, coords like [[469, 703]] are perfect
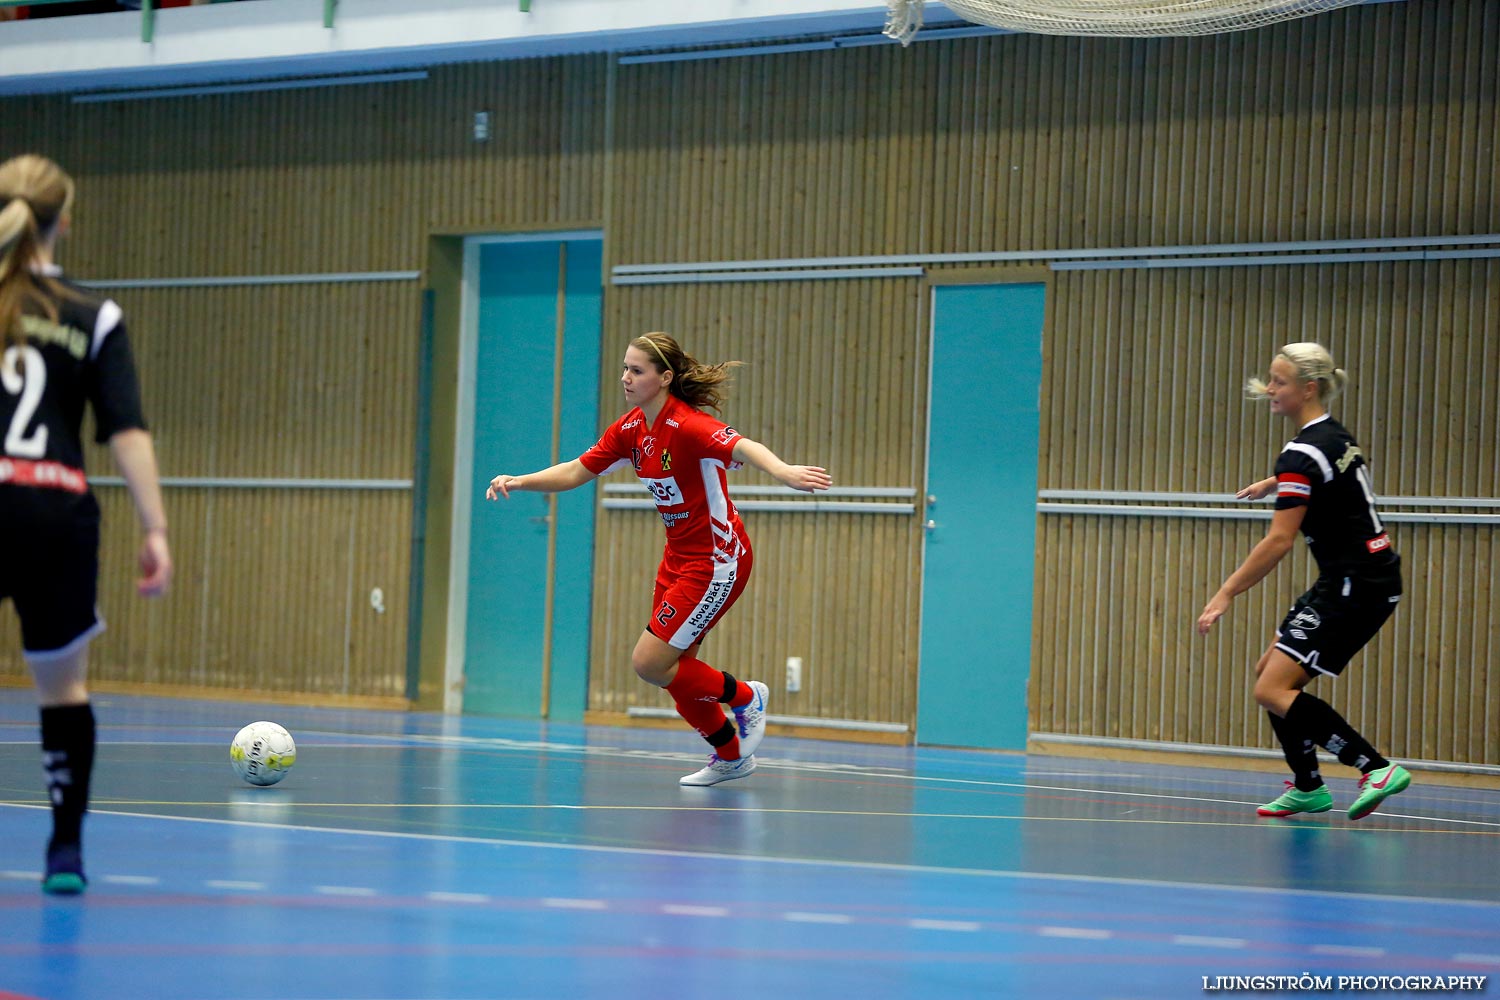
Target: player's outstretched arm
[[135, 457], [566, 476], [1262, 559], [807, 478], [1257, 490]]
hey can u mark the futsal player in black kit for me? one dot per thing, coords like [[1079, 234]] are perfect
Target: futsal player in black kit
[[62, 348], [1322, 487]]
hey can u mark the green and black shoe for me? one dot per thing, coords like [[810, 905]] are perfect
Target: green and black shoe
[[1377, 786], [64, 871], [1295, 800]]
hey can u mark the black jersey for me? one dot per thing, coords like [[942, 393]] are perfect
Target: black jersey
[[1323, 469], [81, 358]]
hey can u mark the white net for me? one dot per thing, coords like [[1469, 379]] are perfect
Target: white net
[[1138, 18]]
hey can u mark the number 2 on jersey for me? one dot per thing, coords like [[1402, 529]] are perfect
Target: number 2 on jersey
[[28, 384]]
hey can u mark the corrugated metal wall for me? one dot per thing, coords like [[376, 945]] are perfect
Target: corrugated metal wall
[[1376, 121]]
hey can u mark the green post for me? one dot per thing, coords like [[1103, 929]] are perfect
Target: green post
[[328, 6], [148, 20]]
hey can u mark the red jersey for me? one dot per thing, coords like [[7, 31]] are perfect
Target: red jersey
[[682, 461]]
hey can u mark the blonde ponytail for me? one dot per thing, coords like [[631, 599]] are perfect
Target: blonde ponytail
[[18, 239], [1312, 363], [35, 194]]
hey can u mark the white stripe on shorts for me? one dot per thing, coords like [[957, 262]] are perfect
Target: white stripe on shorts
[[715, 596], [43, 657], [1309, 661]]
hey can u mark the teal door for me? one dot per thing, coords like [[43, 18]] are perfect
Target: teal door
[[536, 400], [980, 549]]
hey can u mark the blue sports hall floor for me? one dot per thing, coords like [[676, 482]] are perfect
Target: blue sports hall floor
[[417, 857]]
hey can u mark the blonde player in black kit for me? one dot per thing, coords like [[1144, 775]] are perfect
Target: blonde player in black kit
[[60, 348], [1322, 487]]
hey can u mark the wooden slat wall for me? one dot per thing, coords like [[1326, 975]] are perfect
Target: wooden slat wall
[[1375, 121], [1138, 396], [830, 380], [326, 179], [273, 594], [1130, 666], [298, 381], [1371, 121]]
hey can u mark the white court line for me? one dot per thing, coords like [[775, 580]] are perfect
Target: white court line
[[575, 904], [424, 739], [21, 876], [216, 883], [1351, 951], [681, 910], [877, 866], [964, 926], [1079, 774], [344, 890], [862, 770], [457, 897], [131, 879], [1468, 956], [1197, 941], [798, 917], [1078, 933]]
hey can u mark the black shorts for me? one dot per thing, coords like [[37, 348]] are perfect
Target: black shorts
[[51, 567], [1336, 618]]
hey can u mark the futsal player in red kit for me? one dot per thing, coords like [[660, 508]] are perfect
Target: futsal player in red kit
[[681, 455]]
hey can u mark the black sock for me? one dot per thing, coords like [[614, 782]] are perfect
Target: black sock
[[68, 759], [1300, 755], [1317, 720]]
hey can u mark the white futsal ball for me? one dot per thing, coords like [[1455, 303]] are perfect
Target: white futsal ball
[[262, 753]]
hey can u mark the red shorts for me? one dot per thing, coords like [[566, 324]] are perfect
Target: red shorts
[[689, 604]]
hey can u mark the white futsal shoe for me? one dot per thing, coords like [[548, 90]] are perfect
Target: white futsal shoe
[[750, 719], [719, 770]]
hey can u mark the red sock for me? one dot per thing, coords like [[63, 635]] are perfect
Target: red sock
[[708, 721], [696, 691], [698, 681]]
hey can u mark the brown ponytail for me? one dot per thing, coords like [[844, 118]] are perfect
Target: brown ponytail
[[695, 383]]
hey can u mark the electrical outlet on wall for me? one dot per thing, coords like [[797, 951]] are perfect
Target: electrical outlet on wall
[[793, 674]]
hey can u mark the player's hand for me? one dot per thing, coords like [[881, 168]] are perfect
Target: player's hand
[[1258, 490], [1212, 612], [501, 486], [156, 565], [807, 478]]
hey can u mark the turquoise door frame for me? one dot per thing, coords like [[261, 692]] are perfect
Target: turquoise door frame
[[529, 397], [978, 564]]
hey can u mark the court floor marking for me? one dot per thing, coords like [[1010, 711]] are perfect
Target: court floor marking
[[871, 866], [347, 740], [344, 739], [852, 769], [942, 925], [1126, 819]]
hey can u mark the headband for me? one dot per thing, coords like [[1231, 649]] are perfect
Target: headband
[[659, 354]]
